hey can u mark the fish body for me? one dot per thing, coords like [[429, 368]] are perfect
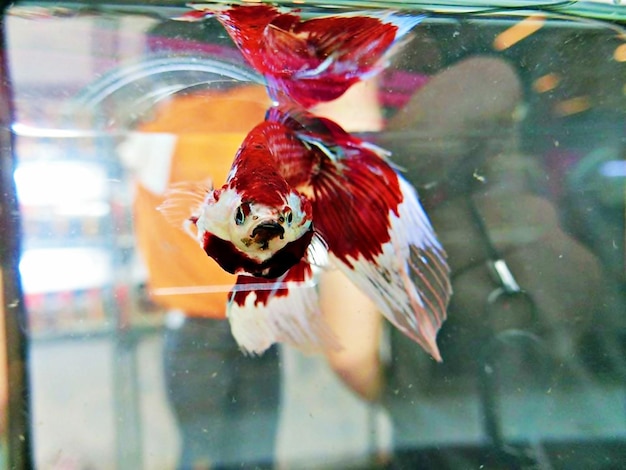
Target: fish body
[[308, 61], [350, 205], [257, 224]]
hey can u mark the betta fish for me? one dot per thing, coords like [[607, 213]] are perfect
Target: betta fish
[[314, 60], [302, 192]]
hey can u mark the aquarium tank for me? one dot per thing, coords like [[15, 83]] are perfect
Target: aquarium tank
[[313, 234]]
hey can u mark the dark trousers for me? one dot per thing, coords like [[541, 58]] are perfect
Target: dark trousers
[[226, 403]]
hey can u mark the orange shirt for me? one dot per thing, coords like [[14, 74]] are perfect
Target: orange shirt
[[209, 128]]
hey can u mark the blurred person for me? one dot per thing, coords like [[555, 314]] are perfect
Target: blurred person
[[456, 139], [468, 114]]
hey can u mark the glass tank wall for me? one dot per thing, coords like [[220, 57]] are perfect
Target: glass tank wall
[[508, 118]]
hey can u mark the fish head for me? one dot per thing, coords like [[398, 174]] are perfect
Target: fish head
[[253, 228], [260, 230]]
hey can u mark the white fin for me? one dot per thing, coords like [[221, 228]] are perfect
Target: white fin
[[289, 314], [182, 202], [409, 281]]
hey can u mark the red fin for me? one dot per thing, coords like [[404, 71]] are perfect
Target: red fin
[[318, 60], [246, 26], [314, 60], [355, 43], [353, 188], [376, 231]]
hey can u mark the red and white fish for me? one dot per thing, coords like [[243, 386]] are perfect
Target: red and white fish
[[258, 224], [308, 61], [302, 189]]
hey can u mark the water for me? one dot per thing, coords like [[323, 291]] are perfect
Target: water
[[509, 122]]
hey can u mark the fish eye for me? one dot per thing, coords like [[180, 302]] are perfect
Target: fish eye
[[239, 216]]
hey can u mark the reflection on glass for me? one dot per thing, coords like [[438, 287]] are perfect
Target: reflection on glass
[[68, 188]]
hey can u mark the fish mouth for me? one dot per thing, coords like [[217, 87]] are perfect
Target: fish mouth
[[266, 231]]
